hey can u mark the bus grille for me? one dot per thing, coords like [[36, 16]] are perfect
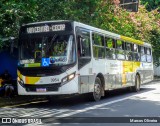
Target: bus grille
[[48, 87], [39, 72]]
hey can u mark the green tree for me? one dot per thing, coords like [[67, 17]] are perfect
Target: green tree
[[99, 13], [151, 4], [14, 13], [154, 38]]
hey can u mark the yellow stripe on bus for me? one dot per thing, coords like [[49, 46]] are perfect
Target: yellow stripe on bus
[[32, 80], [131, 40], [19, 74], [32, 65]]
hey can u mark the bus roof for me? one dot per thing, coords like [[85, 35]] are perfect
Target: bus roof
[[107, 33], [42, 22]]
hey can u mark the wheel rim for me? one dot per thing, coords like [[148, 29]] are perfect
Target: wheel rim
[[138, 83], [97, 92]]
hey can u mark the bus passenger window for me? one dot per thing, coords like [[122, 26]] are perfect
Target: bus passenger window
[[98, 39], [98, 46], [143, 55], [129, 56], [120, 50], [110, 51], [148, 51], [137, 56], [119, 44], [128, 46], [142, 50]]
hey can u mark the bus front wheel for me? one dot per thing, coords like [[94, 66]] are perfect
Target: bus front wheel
[[97, 93]]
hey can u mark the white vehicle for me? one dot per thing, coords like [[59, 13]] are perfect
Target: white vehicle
[[68, 57]]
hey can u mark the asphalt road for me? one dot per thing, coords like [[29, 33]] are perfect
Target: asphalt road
[[120, 107]]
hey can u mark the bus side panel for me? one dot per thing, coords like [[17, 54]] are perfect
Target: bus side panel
[[99, 67], [147, 72], [87, 78], [112, 74]]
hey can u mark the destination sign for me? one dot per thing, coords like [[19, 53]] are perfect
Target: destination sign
[[46, 28]]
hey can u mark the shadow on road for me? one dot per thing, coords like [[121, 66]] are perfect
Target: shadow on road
[[78, 100]]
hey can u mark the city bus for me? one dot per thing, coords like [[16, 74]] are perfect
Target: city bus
[[67, 57]]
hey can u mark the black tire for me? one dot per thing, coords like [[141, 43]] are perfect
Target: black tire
[[136, 88], [97, 93]]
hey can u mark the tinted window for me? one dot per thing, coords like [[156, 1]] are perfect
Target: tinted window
[[149, 58], [98, 46], [98, 52], [129, 46], [120, 54], [110, 43], [129, 56], [98, 39], [119, 44], [136, 56], [135, 48], [110, 53]]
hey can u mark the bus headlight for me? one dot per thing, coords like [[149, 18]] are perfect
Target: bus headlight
[[20, 81], [67, 78]]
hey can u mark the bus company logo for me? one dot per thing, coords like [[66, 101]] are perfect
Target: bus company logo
[[6, 120], [54, 79]]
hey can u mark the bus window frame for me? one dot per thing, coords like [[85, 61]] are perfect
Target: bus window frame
[[129, 51], [98, 46], [113, 48], [122, 49]]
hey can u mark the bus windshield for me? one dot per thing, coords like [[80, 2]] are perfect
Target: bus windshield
[[58, 49]]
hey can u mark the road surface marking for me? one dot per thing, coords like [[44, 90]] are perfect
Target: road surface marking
[[102, 105]]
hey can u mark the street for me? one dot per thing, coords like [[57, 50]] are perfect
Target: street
[[118, 103]]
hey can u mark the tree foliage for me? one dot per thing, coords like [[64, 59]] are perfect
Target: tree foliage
[[99, 13], [151, 4], [154, 39], [14, 13]]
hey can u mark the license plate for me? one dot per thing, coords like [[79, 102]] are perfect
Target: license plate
[[41, 89]]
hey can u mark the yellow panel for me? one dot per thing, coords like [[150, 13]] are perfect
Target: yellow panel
[[31, 80], [135, 66], [131, 40], [127, 66]]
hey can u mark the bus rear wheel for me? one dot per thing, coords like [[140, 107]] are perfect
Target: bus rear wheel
[[136, 88], [97, 93]]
